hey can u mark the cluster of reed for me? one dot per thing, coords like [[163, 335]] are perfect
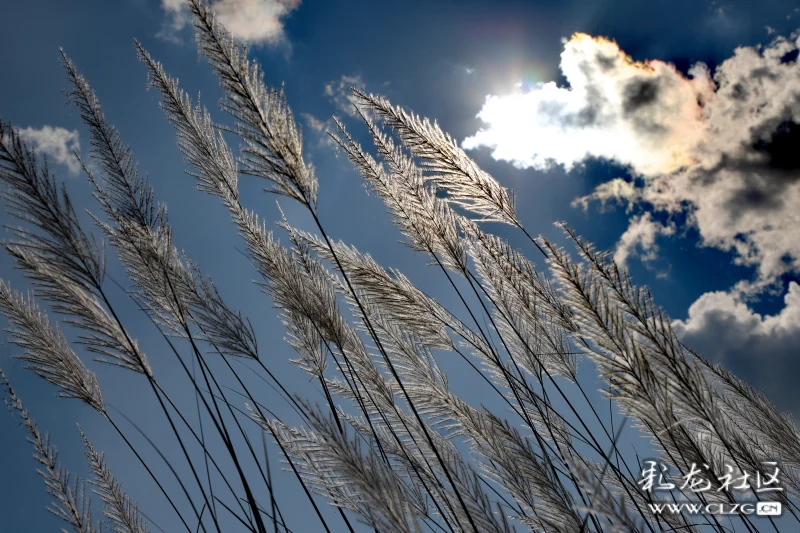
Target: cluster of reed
[[386, 447]]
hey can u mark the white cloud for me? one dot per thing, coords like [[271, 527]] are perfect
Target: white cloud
[[640, 239], [314, 123], [720, 153], [340, 95], [252, 21], [641, 114], [255, 21], [178, 17], [56, 143], [321, 129], [724, 329], [618, 190], [747, 325]]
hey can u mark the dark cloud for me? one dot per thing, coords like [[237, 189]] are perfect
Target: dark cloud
[[790, 57], [782, 150], [764, 167], [593, 113], [742, 187], [763, 348], [639, 93], [738, 92], [606, 62], [763, 73], [753, 197]]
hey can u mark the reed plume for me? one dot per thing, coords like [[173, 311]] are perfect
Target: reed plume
[[383, 434]]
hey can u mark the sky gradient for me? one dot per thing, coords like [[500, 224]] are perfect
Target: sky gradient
[[663, 133]]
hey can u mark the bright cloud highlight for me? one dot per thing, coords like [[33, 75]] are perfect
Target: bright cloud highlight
[[721, 151], [647, 115], [57, 143], [252, 21]]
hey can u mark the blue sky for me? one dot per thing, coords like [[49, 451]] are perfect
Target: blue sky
[[702, 205]]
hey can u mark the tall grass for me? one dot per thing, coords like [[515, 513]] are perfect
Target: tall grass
[[390, 444]]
